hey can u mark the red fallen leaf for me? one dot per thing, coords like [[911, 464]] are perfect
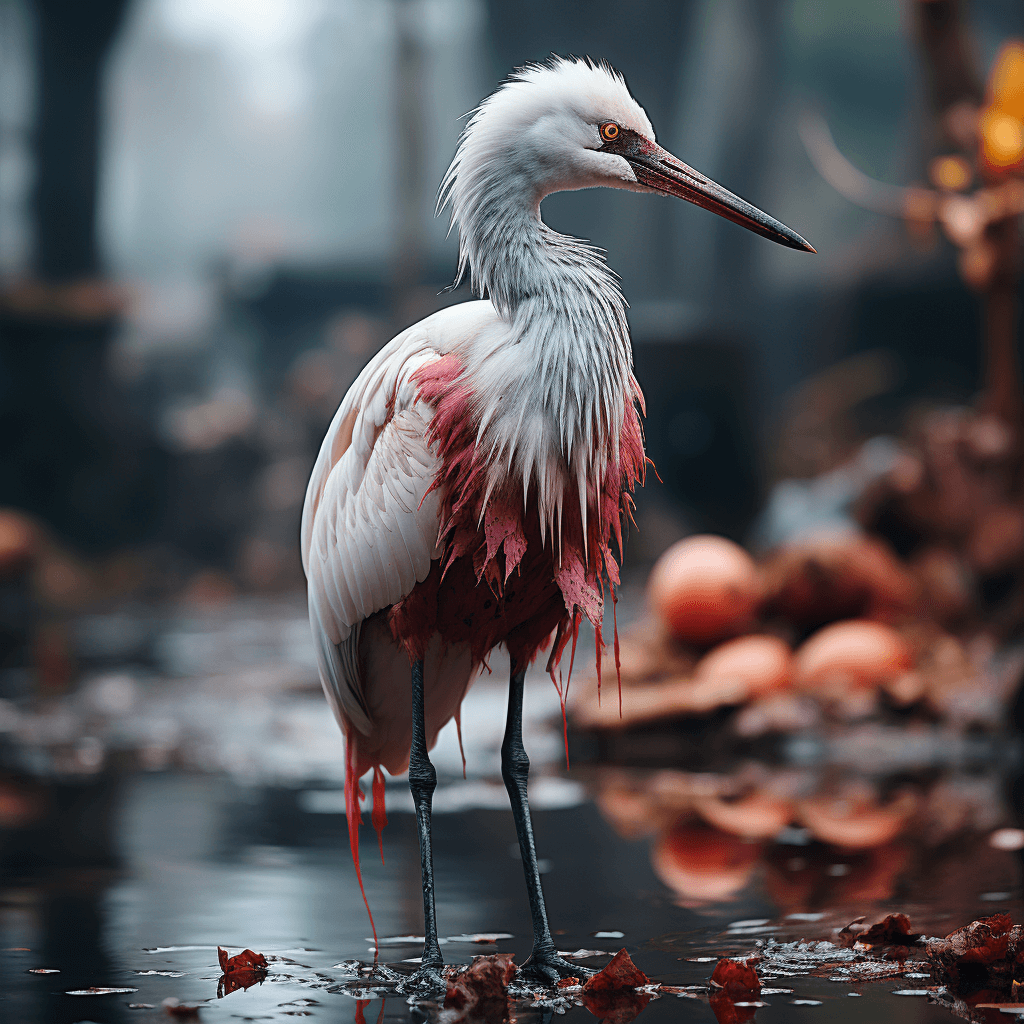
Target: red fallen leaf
[[611, 994], [619, 973], [893, 930], [567, 982], [247, 960], [239, 979], [480, 990], [732, 982], [241, 971], [737, 979], [986, 954]]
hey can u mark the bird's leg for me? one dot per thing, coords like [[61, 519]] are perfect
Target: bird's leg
[[422, 781], [544, 963]]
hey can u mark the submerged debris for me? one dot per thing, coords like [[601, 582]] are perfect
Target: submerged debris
[[823, 960], [893, 930], [480, 991], [987, 954]]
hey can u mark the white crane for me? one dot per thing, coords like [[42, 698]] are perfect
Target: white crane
[[469, 487]]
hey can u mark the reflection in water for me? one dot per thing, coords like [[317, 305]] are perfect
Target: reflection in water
[[128, 877]]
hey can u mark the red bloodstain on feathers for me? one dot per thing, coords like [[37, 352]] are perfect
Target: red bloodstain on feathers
[[499, 580], [612, 995]]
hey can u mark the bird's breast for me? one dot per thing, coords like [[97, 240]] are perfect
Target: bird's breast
[[522, 556]]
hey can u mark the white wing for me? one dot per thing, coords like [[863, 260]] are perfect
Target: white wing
[[369, 527]]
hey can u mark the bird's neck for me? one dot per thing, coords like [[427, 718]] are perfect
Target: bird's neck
[[559, 296], [564, 366]]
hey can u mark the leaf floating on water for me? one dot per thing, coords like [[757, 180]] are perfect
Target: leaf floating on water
[[611, 994], [735, 991], [620, 974], [241, 971]]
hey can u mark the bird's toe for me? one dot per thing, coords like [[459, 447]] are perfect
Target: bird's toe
[[549, 969], [427, 982]]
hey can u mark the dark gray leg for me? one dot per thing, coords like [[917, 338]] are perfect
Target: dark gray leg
[[422, 782], [543, 964]]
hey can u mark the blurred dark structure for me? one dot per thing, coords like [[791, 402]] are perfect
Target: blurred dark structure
[[76, 455], [72, 41]]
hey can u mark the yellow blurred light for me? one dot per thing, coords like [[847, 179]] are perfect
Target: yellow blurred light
[[952, 173], [1006, 81], [1002, 138]]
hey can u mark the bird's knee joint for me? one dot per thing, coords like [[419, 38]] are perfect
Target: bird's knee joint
[[422, 778], [515, 765]]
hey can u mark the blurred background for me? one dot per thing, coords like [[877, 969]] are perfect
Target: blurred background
[[213, 212]]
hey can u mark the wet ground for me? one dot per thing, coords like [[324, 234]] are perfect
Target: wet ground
[[188, 797]]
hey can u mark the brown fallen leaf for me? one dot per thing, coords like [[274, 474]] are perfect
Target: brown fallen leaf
[[480, 991], [611, 995]]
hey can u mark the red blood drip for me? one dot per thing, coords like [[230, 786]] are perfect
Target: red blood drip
[[458, 731], [360, 1004], [577, 617], [615, 630], [380, 817], [353, 794], [598, 648]]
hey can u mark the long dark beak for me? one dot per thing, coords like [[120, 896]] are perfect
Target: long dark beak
[[659, 169]]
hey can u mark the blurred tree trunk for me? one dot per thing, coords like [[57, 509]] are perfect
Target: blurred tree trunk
[[72, 41]]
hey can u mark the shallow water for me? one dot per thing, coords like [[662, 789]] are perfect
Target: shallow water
[[132, 878]]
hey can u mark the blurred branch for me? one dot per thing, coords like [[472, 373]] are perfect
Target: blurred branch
[[843, 176]]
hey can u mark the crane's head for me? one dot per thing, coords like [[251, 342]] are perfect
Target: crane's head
[[572, 124]]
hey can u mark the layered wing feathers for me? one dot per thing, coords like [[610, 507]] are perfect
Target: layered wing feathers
[[369, 527]]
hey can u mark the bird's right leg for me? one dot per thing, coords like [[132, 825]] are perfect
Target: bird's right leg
[[544, 964], [422, 782]]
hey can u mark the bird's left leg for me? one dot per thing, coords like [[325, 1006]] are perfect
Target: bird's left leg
[[422, 781], [544, 963]]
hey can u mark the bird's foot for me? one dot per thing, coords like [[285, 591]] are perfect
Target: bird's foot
[[428, 982], [550, 968]]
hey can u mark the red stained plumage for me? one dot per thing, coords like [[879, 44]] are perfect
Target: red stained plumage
[[498, 581]]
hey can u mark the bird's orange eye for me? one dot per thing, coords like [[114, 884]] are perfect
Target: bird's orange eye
[[609, 131]]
